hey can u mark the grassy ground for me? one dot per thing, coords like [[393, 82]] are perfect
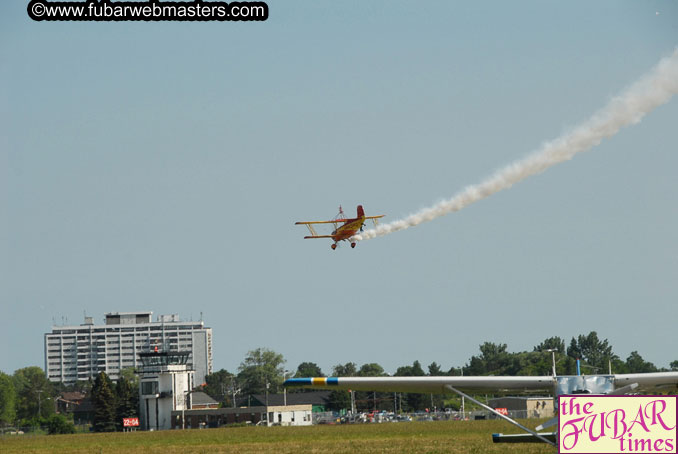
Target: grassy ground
[[412, 437]]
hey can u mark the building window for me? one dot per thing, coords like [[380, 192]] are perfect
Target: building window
[[149, 388]]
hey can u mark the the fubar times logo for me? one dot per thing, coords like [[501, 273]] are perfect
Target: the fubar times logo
[[617, 424]]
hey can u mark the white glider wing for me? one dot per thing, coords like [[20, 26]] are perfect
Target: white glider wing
[[435, 385], [653, 381], [568, 384], [596, 384]]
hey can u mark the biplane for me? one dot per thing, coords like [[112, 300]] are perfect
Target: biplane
[[344, 228]]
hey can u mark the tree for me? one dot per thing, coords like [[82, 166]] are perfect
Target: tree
[[59, 424], [262, 369], [596, 353], [103, 401], [371, 370], [129, 374], [493, 360], [306, 369], [373, 401], [537, 362], [455, 371], [220, 385], [415, 370], [551, 343], [493, 355], [574, 351], [339, 400], [127, 400], [413, 401], [674, 365], [82, 386], [309, 370], [8, 400], [345, 370], [636, 364], [434, 370], [34, 393]]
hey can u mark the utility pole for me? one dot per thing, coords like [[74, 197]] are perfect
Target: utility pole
[[553, 358], [463, 414], [285, 388], [183, 415], [234, 390], [183, 407], [39, 402]]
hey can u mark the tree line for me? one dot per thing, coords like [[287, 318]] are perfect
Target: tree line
[[28, 398], [263, 371]]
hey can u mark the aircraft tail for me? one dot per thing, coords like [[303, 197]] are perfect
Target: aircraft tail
[[361, 212]]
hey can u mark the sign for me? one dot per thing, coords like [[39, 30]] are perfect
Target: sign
[[617, 424], [502, 411], [130, 422]]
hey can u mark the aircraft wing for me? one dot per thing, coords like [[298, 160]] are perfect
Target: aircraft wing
[[435, 385], [334, 221], [656, 381], [375, 217], [648, 381]]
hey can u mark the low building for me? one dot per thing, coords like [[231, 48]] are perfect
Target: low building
[[525, 407], [318, 399], [272, 415], [66, 402], [83, 413], [201, 401]]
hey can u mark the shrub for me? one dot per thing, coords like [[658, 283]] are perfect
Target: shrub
[[59, 424]]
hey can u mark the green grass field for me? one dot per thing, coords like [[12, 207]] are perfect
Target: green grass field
[[413, 437]]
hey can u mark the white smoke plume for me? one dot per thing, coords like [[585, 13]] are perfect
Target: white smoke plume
[[651, 91]]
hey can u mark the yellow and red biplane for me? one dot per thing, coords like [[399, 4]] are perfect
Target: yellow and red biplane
[[344, 228]]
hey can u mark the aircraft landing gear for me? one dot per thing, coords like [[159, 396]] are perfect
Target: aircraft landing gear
[[352, 245], [334, 246]]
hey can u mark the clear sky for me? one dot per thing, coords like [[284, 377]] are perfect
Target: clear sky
[[161, 166]]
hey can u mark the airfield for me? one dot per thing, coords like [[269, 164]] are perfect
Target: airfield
[[411, 437]]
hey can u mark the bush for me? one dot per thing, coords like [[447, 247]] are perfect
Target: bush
[[59, 424], [34, 424]]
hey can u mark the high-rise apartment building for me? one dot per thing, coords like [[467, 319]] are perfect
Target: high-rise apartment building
[[74, 353]]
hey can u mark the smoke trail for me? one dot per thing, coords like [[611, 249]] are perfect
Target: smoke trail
[[651, 91]]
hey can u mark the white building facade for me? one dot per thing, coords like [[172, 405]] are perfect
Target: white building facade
[[165, 383], [75, 353], [290, 415]]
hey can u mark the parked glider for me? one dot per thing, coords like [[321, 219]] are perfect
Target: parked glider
[[344, 228], [612, 384]]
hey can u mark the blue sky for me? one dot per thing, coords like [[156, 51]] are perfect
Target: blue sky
[[161, 166]]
